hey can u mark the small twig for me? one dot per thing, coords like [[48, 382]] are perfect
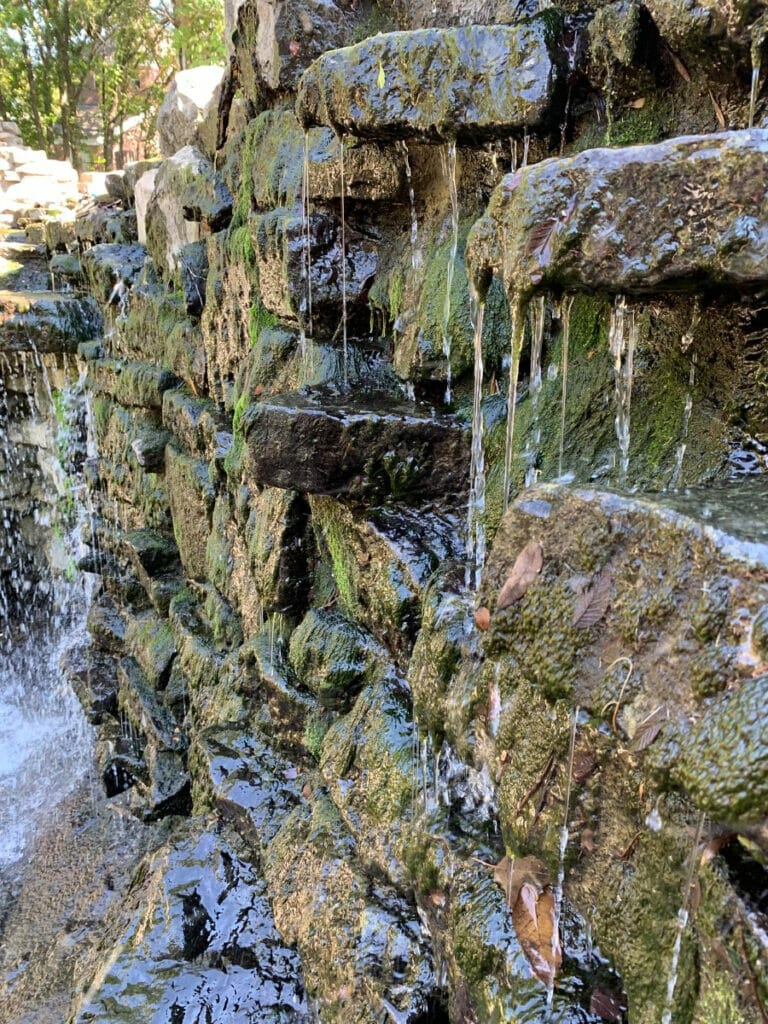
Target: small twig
[[536, 786], [617, 702]]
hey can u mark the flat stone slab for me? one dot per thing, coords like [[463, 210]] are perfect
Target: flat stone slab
[[47, 321], [470, 83], [678, 215], [327, 442]]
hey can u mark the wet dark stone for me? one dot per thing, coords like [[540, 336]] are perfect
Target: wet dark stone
[[472, 83], [93, 676], [252, 784], [203, 948], [106, 625], [47, 321], [679, 215], [358, 445]]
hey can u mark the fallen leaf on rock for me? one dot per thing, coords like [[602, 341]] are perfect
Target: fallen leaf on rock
[[585, 762], [528, 565], [592, 603], [610, 1006], [511, 873], [637, 104], [525, 881], [534, 916], [294, 47], [649, 728], [714, 846], [718, 111], [482, 618]]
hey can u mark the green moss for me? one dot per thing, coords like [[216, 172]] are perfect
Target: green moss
[[315, 729]]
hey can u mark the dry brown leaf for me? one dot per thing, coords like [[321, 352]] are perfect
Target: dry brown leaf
[[482, 618], [528, 565], [534, 916], [680, 68], [592, 604], [607, 1005], [637, 104], [718, 111], [714, 846], [511, 874], [650, 727]]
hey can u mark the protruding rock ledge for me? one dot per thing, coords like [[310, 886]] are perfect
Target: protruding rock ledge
[[471, 83], [47, 321], [677, 215], [325, 442]]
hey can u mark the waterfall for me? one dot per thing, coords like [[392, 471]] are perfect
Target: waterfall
[[622, 338], [449, 158], [306, 268], [476, 509], [415, 254], [566, 325], [515, 345], [537, 340], [45, 742], [343, 261]]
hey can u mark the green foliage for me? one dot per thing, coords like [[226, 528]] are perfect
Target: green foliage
[[56, 53]]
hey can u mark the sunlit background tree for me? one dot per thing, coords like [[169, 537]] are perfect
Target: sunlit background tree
[[83, 78]]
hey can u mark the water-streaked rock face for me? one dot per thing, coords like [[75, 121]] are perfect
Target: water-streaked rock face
[[474, 83], [686, 213]]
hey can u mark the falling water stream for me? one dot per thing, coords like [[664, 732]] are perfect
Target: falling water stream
[[622, 338], [682, 923], [449, 157], [565, 315], [306, 268], [343, 260], [415, 254], [534, 435], [45, 742], [755, 87], [515, 348], [476, 509]]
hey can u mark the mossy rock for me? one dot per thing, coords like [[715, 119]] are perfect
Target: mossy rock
[[334, 656]]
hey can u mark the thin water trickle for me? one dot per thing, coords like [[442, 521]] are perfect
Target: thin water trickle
[[564, 838], [476, 509], [343, 260], [515, 348], [415, 253], [565, 320], [526, 147], [685, 343], [449, 165], [755, 87], [537, 312], [306, 235], [622, 337], [682, 923]]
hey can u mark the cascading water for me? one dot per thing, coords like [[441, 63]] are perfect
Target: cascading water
[[685, 343], [534, 435], [449, 163], [343, 260], [754, 87], [306, 268], [622, 338], [476, 509], [416, 258], [515, 348], [45, 741], [565, 319]]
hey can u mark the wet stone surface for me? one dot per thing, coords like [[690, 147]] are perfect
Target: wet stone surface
[[641, 219], [325, 442], [473, 83], [199, 945]]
